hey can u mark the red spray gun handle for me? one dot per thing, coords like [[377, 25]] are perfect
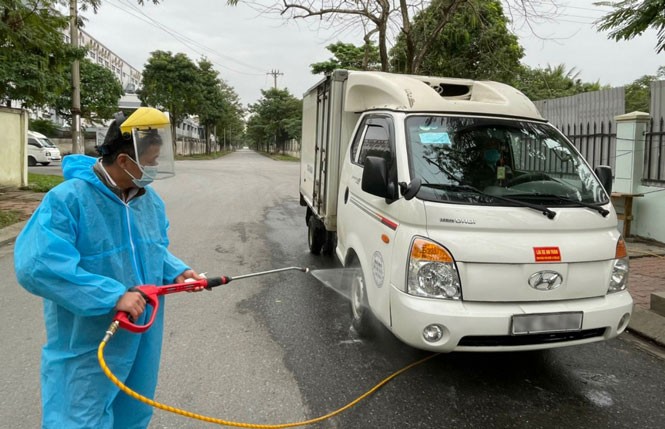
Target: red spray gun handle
[[151, 292]]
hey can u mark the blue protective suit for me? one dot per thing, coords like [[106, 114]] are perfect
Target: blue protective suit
[[81, 250]]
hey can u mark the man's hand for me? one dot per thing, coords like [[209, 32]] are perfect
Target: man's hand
[[132, 303], [190, 274]]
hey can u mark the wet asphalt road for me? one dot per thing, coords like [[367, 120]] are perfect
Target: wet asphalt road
[[278, 348]]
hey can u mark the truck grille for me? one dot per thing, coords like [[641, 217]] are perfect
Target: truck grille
[[525, 340]]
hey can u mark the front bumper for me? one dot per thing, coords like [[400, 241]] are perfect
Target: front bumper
[[485, 326]]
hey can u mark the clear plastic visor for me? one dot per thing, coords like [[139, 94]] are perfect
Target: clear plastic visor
[[154, 150]]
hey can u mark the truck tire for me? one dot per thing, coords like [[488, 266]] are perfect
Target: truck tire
[[32, 161], [316, 235], [329, 244], [362, 319]]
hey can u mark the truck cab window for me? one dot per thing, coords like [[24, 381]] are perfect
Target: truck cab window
[[375, 141]]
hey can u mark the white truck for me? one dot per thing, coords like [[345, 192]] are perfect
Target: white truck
[[466, 220], [41, 150]]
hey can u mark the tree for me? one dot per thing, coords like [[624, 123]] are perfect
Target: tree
[[552, 82], [350, 57], [33, 53], [171, 82], [276, 117], [385, 19], [100, 92], [475, 44], [631, 18], [210, 107], [231, 126], [638, 93]]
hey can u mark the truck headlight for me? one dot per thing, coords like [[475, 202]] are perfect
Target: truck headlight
[[619, 277], [432, 272]]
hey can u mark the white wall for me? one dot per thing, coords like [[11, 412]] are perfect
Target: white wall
[[13, 140]]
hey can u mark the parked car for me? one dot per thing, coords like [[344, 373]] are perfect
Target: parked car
[[41, 150]]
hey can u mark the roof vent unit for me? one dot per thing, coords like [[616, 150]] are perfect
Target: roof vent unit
[[451, 90]]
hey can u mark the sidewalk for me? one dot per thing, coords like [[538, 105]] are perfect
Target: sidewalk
[[647, 266]]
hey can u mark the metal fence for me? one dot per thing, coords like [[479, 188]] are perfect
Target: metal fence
[[654, 154], [588, 121], [596, 141]]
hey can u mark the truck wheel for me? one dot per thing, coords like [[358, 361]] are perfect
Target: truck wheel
[[329, 244], [362, 318], [32, 161], [316, 235]]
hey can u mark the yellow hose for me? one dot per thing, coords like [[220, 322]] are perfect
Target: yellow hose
[[139, 397]]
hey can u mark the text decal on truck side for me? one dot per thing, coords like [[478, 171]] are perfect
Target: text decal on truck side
[[384, 220]]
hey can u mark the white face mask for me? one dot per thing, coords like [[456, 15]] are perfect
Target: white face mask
[[148, 174]]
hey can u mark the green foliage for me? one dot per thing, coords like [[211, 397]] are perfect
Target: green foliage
[[100, 92], [176, 84], [631, 18], [350, 57], [33, 53], [43, 126], [276, 118], [552, 82], [475, 44], [171, 82], [638, 93]]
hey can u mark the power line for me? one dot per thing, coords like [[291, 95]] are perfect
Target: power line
[[195, 46]]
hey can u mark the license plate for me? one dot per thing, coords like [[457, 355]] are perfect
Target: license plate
[[523, 324]]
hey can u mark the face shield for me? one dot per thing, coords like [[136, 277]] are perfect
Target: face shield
[[153, 142], [154, 152]]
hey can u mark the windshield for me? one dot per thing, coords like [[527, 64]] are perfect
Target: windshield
[[469, 160], [46, 142]]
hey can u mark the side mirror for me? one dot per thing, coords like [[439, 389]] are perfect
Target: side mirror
[[375, 179], [604, 174], [411, 189]]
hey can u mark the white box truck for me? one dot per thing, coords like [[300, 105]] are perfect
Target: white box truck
[[467, 221]]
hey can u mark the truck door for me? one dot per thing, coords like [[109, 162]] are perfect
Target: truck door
[[365, 223]]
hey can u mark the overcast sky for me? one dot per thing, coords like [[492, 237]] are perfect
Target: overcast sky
[[245, 46]]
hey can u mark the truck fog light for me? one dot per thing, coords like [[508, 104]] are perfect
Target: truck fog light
[[623, 323], [432, 333]]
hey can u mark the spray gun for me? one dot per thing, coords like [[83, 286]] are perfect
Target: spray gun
[[151, 292]]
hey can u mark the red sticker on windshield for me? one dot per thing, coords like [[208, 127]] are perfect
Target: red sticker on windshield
[[547, 254]]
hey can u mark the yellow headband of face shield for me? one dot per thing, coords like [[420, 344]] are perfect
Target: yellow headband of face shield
[[145, 118]]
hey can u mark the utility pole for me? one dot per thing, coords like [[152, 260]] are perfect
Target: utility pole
[[76, 78], [274, 74]]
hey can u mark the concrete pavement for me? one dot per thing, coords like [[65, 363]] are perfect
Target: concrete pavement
[[646, 282]]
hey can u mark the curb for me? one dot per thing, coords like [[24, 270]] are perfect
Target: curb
[[648, 324], [9, 233]]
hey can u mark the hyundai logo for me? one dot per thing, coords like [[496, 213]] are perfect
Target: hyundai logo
[[545, 280]]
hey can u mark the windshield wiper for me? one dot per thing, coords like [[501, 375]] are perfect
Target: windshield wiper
[[544, 210], [595, 207]]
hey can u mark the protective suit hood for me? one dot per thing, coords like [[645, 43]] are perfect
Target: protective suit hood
[[80, 167]]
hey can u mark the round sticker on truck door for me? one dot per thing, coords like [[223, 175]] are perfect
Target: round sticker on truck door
[[378, 269]]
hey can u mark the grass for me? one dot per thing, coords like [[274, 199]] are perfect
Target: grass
[[280, 157], [42, 182], [8, 217], [213, 155]]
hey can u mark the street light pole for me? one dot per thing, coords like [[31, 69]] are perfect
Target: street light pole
[[76, 78]]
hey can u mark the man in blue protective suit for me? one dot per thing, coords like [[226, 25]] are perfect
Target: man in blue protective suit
[[96, 235]]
